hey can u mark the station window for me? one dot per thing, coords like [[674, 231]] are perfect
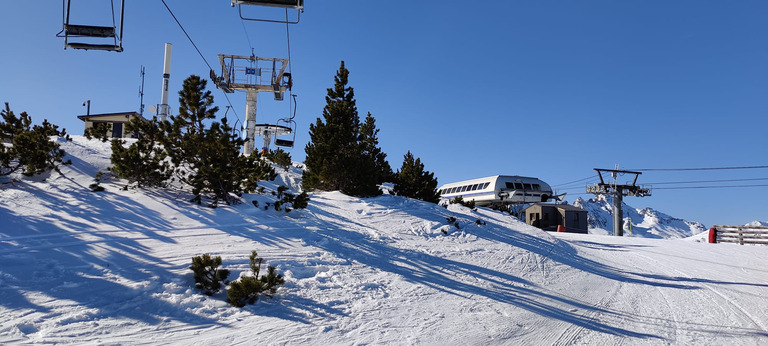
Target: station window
[[537, 187], [518, 186], [486, 185], [509, 185], [528, 186]]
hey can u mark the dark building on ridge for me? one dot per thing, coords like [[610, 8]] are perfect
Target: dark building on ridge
[[549, 216]]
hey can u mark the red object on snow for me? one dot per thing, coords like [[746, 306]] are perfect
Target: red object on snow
[[560, 228], [712, 235]]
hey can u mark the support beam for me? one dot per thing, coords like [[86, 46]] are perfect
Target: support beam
[[250, 121], [618, 215]]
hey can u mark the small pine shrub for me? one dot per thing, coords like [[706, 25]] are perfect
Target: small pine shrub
[[301, 201], [272, 280], [208, 276], [245, 291], [96, 186], [480, 222], [451, 219], [280, 157], [280, 190], [248, 288], [99, 131], [460, 200], [255, 203]]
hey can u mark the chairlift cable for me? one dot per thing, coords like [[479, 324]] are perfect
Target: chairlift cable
[[185, 33], [709, 187], [577, 181], [198, 52], [247, 37], [706, 181], [701, 169]]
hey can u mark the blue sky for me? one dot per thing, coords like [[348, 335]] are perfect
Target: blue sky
[[550, 89]]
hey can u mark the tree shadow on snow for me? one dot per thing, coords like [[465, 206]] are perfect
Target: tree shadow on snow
[[86, 257], [444, 275]]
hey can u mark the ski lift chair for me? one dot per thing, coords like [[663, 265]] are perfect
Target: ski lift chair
[[289, 123], [297, 5], [287, 143], [70, 30]]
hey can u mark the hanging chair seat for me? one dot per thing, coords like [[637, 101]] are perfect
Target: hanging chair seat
[[283, 143], [89, 30], [94, 35], [87, 46], [298, 4]]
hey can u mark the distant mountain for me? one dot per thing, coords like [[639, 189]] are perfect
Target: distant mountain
[[646, 223]]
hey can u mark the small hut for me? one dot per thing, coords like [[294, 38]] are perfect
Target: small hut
[[549, 216], [115, 122]]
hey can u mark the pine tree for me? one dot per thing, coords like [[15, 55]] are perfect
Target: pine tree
[[144, 161], [31, 149], [343, 154], [382, 171], [208, 157], [414, 182]]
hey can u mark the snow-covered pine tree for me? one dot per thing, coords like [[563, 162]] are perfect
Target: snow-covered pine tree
[[413, 181]]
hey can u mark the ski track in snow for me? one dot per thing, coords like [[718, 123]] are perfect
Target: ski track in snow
[[112, 268]]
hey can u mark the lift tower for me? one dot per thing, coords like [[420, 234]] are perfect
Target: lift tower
[[254, 74], [618, 192]]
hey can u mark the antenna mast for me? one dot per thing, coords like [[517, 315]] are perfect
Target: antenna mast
[[163, 112], [141, 93]]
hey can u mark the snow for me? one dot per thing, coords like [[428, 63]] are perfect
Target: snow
[[112, 267], [646, 223]]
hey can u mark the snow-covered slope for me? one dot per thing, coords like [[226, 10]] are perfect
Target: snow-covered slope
[[647, 223], [112, 268]]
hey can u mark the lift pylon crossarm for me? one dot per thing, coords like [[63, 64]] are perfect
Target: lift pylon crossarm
[[618, 192], [243, 73]]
